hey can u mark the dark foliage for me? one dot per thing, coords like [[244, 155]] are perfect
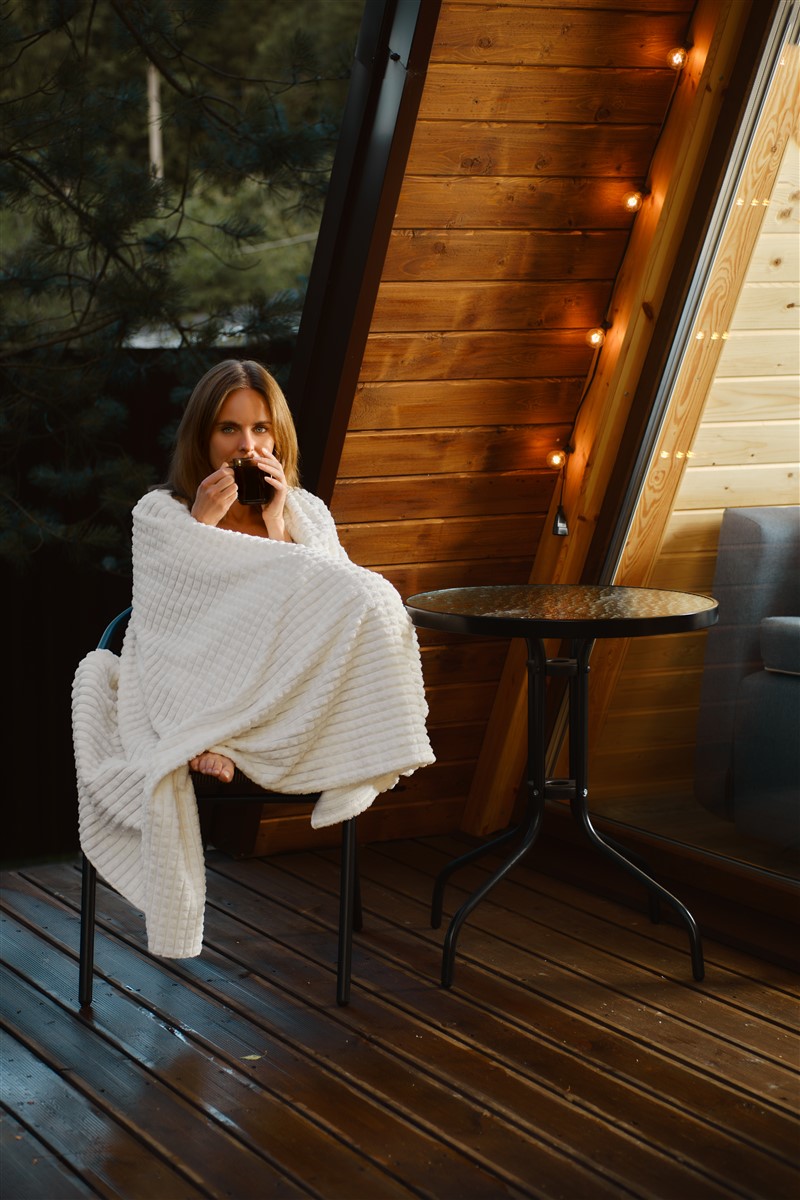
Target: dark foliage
[[101, 334]]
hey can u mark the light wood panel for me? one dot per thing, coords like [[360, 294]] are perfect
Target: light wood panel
[[774, 397], [776, 258], [768, 304], [741, 486], [746, 442], [760, 352]]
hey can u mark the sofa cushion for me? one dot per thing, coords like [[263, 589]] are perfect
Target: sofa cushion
[[780, 644]]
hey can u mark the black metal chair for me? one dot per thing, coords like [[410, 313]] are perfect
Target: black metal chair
[[211, 792]]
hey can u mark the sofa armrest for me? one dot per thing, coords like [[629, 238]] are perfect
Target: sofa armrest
[[780, 644]]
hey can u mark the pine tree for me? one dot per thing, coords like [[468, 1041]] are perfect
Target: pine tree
[[124, 280]]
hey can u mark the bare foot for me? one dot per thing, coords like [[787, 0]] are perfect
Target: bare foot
[[213, 764]]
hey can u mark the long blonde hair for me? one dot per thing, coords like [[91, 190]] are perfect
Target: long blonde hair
[[190, 464]]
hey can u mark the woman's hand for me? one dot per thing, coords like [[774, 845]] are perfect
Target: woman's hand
[[215, 495], [272, 513]]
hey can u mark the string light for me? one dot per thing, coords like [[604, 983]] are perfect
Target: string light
[[557, 457], [715, 335], [596, 337], [633, 201], [677, 58]]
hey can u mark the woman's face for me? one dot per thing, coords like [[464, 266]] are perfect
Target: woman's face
[[242, 429]]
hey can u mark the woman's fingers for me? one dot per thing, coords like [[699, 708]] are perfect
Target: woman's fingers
[[215, 495]]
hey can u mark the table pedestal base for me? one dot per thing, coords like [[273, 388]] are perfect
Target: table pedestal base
[[575, 789]]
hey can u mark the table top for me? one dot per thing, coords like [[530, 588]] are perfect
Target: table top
[[561, 610]]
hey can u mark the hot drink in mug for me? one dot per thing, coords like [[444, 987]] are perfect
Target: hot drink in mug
[[252, 483]]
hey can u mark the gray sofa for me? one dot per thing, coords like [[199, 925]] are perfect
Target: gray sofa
[[747, 763]]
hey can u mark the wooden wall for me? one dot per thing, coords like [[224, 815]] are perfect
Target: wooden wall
[[744, 454], [507, 239]]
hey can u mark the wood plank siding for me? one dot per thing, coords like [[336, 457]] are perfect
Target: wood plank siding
[[574, 1057], [643, 318], [508, 235]]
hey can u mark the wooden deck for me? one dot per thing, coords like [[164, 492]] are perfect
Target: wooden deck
[[574, 1057]]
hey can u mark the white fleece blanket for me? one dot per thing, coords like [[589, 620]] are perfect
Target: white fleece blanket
[[299, 665]]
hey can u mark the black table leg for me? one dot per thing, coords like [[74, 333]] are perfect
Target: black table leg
[[449, 951], [537, 669], [579, 756], [576, 668], [471, 855]]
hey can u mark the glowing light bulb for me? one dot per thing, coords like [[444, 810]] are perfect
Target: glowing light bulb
[[596, 337], [556, 458], [632, 201], [677, 58]]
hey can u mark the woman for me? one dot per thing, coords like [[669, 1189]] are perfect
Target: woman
[[254, 642], [236, 410]]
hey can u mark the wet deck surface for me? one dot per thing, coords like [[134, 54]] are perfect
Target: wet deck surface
[[574, 1057]]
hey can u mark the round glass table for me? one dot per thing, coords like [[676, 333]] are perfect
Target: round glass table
[[579, 613]]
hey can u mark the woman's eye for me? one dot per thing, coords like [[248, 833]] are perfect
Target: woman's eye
[[262, 429], [227, 428]]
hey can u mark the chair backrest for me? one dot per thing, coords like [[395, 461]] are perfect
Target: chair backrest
[[114, 632]]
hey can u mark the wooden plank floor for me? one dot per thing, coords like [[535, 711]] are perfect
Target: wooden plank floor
[[574, 1057]]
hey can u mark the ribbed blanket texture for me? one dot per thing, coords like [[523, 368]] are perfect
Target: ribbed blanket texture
[[298, 664]]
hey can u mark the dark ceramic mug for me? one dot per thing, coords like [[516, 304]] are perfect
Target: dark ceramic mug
[[251, 481]]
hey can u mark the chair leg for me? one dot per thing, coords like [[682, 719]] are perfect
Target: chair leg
[[346, 911], [358, 914], [88, 895]]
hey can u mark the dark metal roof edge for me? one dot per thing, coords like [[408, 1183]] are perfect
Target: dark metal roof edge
[[389, 69]]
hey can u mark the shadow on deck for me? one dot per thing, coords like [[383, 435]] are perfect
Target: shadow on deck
[[574, 1057]]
